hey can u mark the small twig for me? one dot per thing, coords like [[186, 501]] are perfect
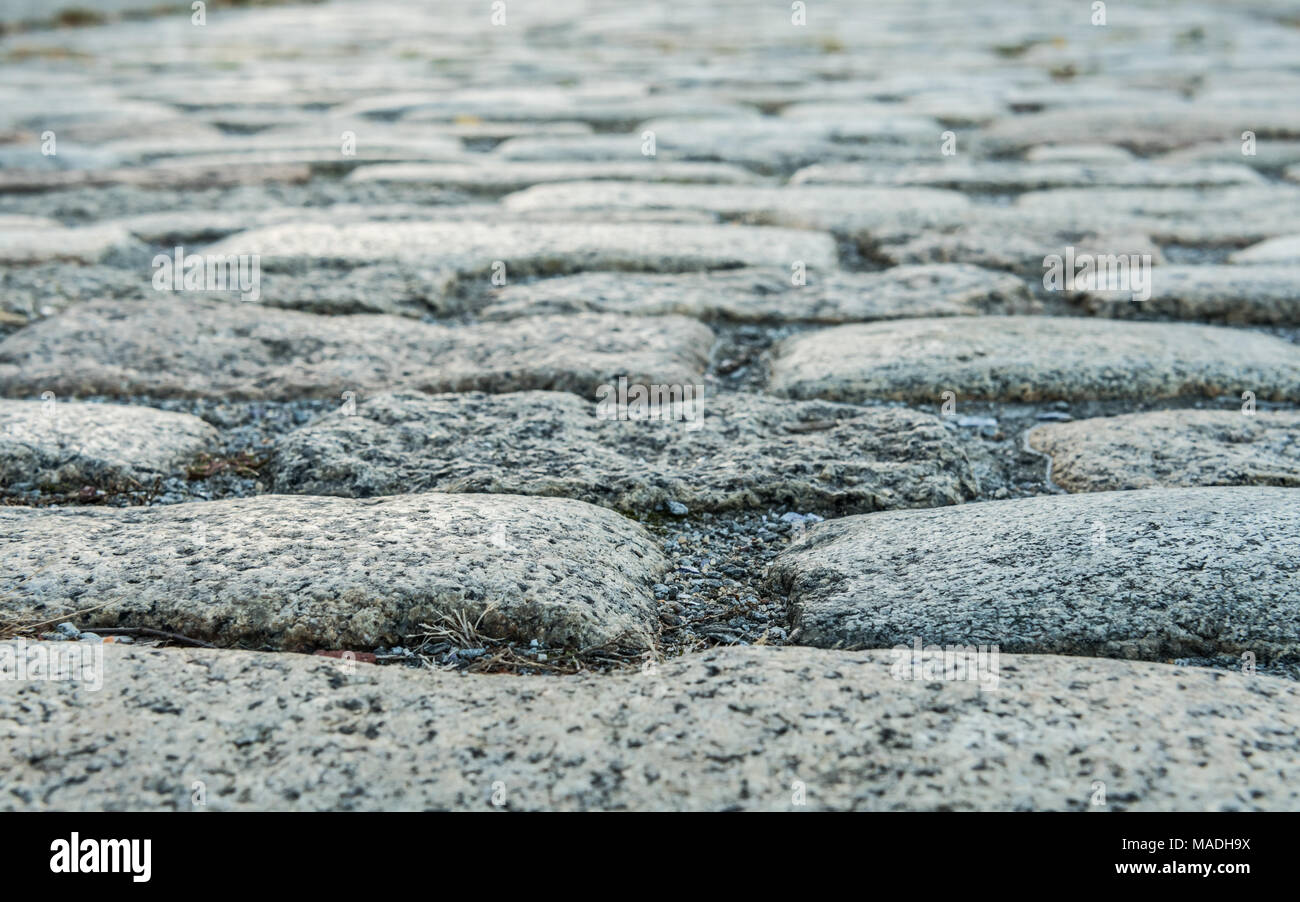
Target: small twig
[[15, 629], [146, 631]]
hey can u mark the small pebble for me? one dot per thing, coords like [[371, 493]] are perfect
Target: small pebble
[[792, 517]]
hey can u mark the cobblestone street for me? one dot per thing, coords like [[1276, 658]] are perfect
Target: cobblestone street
[[651, 406]]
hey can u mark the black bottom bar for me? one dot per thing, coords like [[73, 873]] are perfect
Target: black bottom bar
[[380, 853]]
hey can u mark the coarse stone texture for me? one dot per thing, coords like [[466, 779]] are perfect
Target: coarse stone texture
[[1211, 216], [62, 12], [770, 145], [107, 445], [1148, 574], [1144, 128], [291, 166], [1173, 448], [170, 177], [472, 248], [169, 227], [500, 175], [983, 175], [319, 146], [952, 108], [1285, 249], [1157, 202], [1010, 239], [208, 349], [1222, 293], [737, 451], [515, 102], [1095, 154], [34, 292], [783, 147], [728, 728], [24, 244], [15, 222], [1025, 358], [294, 572], [475, 129], [769, 295], [878, 121], [1272, 154], [387, 287], [825, 124], [589, 148], [801, 206]]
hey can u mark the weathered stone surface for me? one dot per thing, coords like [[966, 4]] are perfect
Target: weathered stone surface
[[170, 227], [1210, 216], [807, 206], [1145, 128], [475, 129], [1270, 154], [756, 295], [724, 729], [542, 102], [1148, 574], [292, 572], [319, 144], [770, 145], [1001, 238], [391, 286], [14, 222], [778, 144], [1082, 153], [107, 445], [867, 123], [1285, 249], [1022, 358], [1011, 237], [86, 113], [1234, 294], [21, 243], [738, 451], [188, 227], [1173, 448], [552, 248], [510, 176], [982, 175], [1157, 202], [595, 148], [34, 292], [209, 349], [876, 120], [171, 177]]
